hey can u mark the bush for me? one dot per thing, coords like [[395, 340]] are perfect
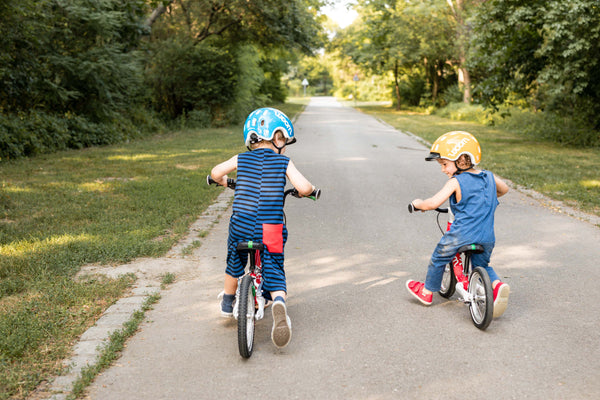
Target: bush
[[465, 112], [184, 77], [536, 125], [37, 132]]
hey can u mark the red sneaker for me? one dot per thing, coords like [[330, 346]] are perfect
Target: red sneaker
[[501, 292], [416, 289]]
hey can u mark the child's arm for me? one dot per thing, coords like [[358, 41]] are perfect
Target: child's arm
[[439, 198], [302, 185], [501, 186], [219, 172]]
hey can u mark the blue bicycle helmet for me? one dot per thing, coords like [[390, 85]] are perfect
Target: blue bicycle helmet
[[262, 124]]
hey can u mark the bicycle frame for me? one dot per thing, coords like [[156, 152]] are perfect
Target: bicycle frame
[[472, 284], [255, 272]]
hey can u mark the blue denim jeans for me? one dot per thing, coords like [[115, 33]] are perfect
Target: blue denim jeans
[[445, 252]]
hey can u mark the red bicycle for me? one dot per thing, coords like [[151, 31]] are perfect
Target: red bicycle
[[249, 305], [473, 285]]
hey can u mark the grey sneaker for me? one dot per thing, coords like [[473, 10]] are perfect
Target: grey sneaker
[[282, 325]]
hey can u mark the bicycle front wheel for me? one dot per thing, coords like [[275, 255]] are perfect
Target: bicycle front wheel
[[246, 317], [482, 303], [448, 282]]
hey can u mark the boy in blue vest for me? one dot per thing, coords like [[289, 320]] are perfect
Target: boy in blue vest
[[473, 198], [258, 209]]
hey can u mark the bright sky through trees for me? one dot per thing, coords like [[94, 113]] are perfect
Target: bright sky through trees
[[340, 13]]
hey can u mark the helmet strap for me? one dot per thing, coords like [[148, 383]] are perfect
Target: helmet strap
[[285, 144], [277, 147]]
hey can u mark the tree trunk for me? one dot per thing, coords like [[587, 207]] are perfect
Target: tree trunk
[[158, 11], [467, 97], [397, 86], [462, 37]]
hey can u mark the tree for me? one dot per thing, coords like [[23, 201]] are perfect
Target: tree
[[271, 29], [77, 56], [545, 51], [461, 11]]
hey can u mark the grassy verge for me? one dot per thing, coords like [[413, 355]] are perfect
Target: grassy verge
[[564, 173], [104, 205], [113, 349]]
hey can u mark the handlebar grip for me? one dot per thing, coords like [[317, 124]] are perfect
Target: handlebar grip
[[230, 182], [314, 195], [412, 209]]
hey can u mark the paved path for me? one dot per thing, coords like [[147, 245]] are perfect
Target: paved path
[[357, 334]]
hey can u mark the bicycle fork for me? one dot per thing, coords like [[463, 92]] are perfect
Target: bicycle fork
[[462, 286], [257, 282]]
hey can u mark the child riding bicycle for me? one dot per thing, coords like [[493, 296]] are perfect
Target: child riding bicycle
[[258, 209], [473, 198]]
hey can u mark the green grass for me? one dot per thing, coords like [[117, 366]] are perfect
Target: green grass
[[112, 350], [564, 173], [105, 205]]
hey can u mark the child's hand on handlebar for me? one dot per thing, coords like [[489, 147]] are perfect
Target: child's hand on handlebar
[[416, 203]]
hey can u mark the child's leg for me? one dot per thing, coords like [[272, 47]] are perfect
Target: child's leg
[[230, 284], [501, 289], [442, 255], [483, 260], [275, 283]]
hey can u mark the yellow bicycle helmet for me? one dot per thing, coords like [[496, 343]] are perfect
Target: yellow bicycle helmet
[[453, 144]]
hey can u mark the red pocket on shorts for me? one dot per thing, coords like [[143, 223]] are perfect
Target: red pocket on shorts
[[273, 237]]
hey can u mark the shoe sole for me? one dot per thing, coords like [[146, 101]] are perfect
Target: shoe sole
[[416, 296], [282, 329], [501, 300]]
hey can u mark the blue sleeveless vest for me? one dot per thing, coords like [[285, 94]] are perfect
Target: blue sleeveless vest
[[474, 214]]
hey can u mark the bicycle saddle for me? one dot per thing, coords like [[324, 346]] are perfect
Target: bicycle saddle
[[250, 245], [471, 248]]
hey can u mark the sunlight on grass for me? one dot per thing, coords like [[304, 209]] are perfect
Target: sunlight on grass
[[37, 246], [134, 157], [104, 205], [96, 186], [589, 184], [15, 189]]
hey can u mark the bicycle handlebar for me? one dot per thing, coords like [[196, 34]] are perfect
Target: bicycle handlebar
[[232, 182], [315, 194], [412, 208], [211, 181]]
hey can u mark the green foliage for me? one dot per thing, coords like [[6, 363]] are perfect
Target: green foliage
[[251, 78], [184, 76], [539, 126], [545, 51], [523, 159], [113, 349], [73, 56], [36, 331], [38, 132]]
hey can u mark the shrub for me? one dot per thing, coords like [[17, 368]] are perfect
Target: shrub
[[37, 132]]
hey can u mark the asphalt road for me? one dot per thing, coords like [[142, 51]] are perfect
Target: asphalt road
[[357, 333]]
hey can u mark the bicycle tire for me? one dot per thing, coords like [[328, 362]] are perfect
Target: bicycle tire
[[448, 282], [482, 306], [246, 319]]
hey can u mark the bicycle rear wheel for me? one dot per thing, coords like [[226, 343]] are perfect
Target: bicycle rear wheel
[[448, 282], [246, 317], [482, 305]]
